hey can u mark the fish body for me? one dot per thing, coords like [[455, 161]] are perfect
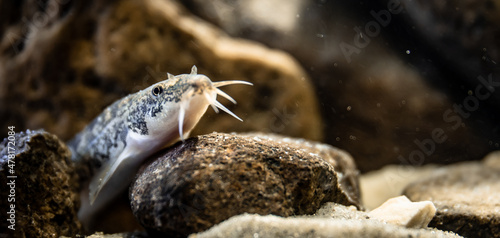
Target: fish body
[[127, 132]]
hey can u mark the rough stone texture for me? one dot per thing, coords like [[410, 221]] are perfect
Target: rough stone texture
[[207, 179], [395, 89], [343, 163], [403, 212], [46, 189], [62, 62], [467, 198], [344, 223], [338, 211]]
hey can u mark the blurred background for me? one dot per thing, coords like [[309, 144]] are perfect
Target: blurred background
[[391, 82], [386, 73], [403, 82]]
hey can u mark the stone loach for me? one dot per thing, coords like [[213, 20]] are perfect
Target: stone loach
[[46, 188], [210, 178], [60, 75], [466, 195]]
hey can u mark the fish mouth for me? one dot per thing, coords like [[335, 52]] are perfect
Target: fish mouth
[[210, 94]]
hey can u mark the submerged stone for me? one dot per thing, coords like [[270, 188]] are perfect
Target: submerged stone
[[207, 179], [403, 212], [466, 195], [42, 181]]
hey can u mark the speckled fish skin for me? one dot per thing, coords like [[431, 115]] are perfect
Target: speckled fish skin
[[117, 141], [105, 136]]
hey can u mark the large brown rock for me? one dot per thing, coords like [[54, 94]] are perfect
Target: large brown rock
[[207, 179], [62, 62], [466, 195], [43, 183]]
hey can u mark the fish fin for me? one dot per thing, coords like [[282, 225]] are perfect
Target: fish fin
[[182, 113], [186, 135], [194, 70], [170, 76], [104, 175]]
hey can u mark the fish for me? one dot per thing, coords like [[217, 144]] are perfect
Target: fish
[[133, 128]]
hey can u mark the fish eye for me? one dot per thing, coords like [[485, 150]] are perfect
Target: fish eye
[[157, 90]]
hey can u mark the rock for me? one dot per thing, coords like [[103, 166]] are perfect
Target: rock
[[338, 211], [252, 225], [380, 185], [63, 62], [467, 198], [342, 162], [45, 186], [403, 212], [207, 179]]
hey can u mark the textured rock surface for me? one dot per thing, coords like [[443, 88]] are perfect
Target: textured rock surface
[[209, 178], [467, 198], [395, 88], [346, 223], [62, 62], [403, 212], [46, 189], [343, 163]]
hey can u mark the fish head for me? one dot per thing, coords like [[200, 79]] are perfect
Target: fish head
[[173, 107]]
